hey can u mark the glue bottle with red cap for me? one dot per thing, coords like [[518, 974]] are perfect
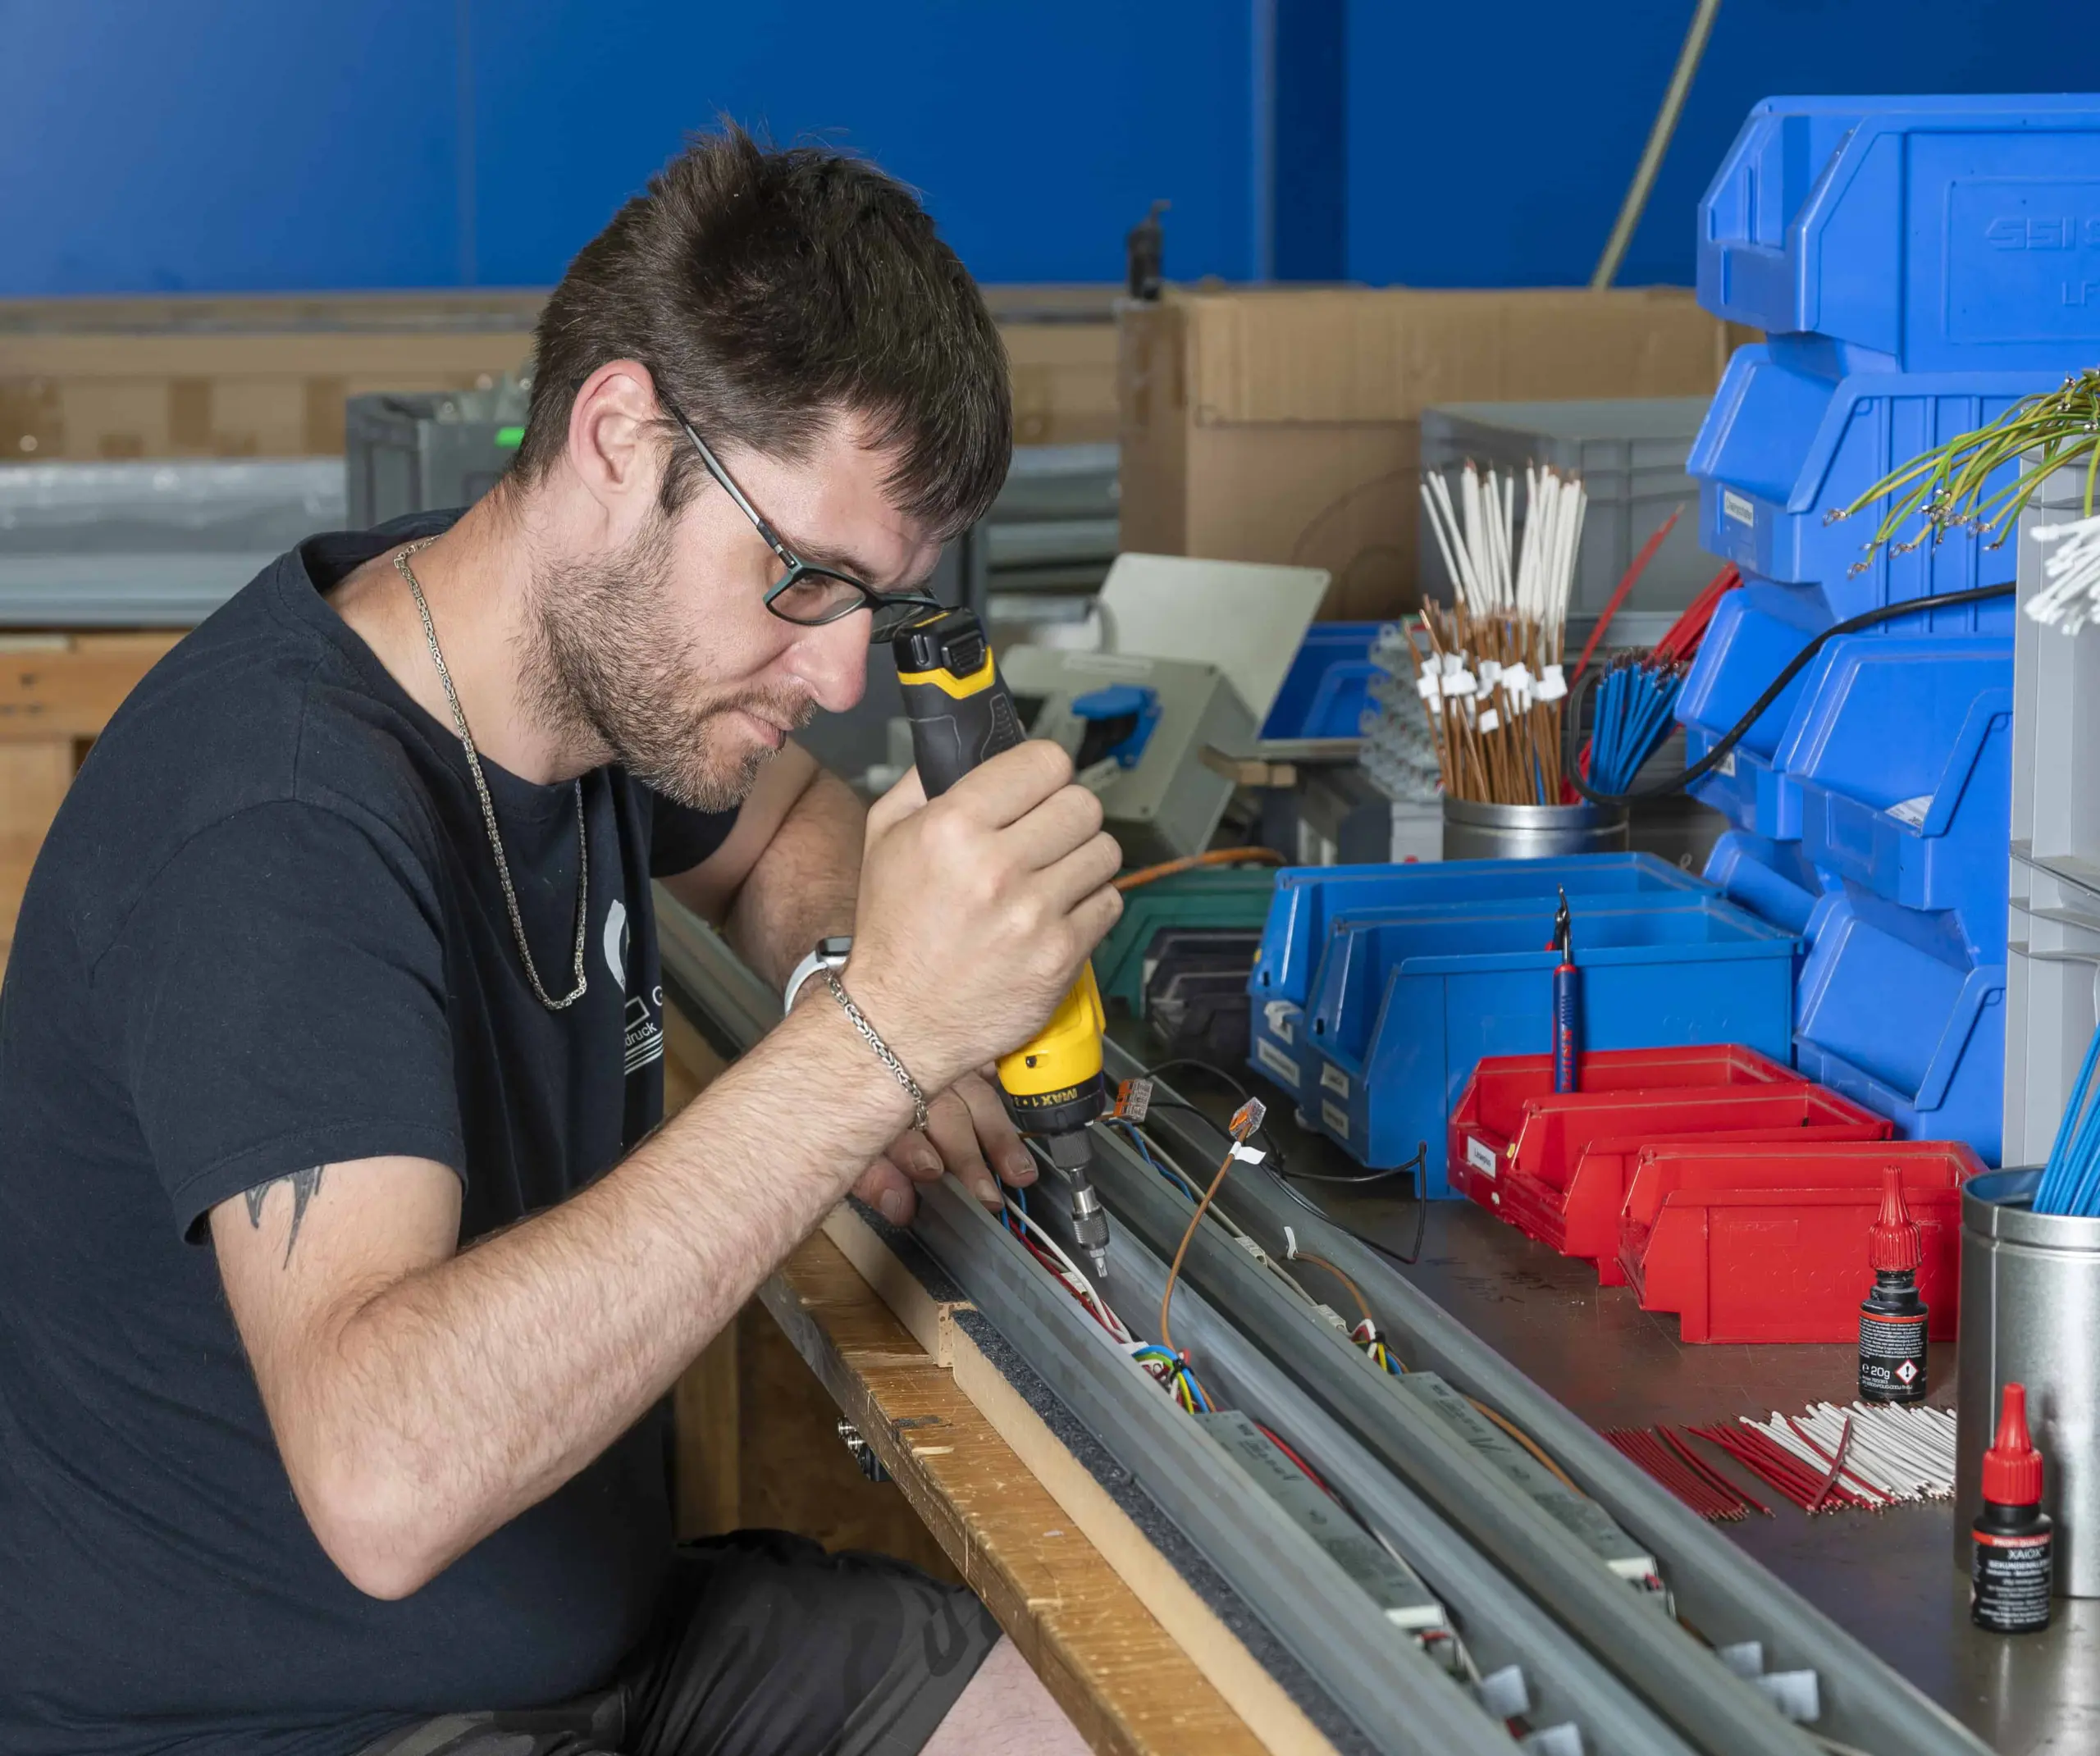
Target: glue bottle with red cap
[[1893, 1316], [2014, 1569]]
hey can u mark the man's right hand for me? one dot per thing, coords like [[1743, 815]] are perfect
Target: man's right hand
[[977, 909]]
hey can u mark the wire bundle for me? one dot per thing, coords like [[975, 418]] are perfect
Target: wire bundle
[[1949, 484], [1636, 700], [2070, 1179], [1814, 1490], [1899, 1453], [1673, 1463], [1492, 674], [2070, 598]]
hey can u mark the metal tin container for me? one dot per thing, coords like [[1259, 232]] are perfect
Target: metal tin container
[[2030, 1313], [1473, 831]]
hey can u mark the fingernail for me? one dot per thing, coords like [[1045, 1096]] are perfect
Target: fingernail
[[988, 1192], [926, 1166], [893, 1208], [1021, 1168]]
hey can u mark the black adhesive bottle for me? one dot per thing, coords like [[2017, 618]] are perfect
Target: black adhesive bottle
[[1893, 1316], [2013, 1569]]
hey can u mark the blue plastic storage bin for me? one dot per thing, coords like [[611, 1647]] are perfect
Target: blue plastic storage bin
[[1898, 1011], [1404, 1010], [1325, 689], [1938, 234], [1789, 439], [1309, 898]]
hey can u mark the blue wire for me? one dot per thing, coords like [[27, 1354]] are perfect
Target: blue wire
[[2069, 1178]]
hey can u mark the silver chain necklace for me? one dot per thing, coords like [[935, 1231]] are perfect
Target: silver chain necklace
[[488, 807]]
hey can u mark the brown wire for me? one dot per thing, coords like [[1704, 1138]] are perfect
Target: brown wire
[[1355, 1291], [1195, 1220], [1526, 1440], [1217, 856]]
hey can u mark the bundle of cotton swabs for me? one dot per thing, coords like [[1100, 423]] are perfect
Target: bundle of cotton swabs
[[1491, 679]]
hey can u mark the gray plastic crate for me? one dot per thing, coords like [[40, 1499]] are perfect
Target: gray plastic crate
[[1629, 453], [2053, 959], [151, 545], [406, 452]]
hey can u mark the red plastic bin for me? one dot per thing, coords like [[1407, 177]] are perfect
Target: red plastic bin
[[1516, 1144], [1769, 1243], [1581, 1221]]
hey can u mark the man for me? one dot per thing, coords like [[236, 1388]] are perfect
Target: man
[[342, 1276]]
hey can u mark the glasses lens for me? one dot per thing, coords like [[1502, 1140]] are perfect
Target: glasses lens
[[813, 597], [891, 614]]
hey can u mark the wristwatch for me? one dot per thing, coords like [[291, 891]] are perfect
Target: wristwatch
[[830, 954]]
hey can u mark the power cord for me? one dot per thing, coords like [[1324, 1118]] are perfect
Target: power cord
[[1714, 758]]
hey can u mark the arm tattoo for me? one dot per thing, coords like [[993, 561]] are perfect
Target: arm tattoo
[[306, 1184]]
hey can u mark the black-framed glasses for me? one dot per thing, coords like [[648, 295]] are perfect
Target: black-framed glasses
[[809, 595]]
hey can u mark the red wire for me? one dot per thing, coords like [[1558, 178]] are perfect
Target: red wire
[[1625, 585], [1310, 1474], [1057, 1269]]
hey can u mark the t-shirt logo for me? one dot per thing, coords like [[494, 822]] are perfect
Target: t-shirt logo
[[642, 1025]]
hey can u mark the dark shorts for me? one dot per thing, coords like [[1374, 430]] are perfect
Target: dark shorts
[[766, 1646]]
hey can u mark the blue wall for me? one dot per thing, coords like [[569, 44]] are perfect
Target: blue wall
[[151, 145], [1492, 146]]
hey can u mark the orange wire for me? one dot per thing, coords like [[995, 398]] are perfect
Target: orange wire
[[1355, 1291], [1526, 1440], [1195, 1220], [1217, 856]]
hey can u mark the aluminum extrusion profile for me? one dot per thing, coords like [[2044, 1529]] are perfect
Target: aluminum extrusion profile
[[1713, 1707], [1500, 1623], [1726, 1593], [1400, 1700]]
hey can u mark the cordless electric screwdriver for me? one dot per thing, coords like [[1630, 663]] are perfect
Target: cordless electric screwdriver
[[960, 715]]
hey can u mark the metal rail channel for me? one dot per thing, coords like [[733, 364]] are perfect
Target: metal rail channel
[[1725, 1594], [1501, 1626], [1374, 1674], [1684, 1680]]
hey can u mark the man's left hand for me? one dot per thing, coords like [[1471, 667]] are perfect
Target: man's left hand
[[967, 1132]]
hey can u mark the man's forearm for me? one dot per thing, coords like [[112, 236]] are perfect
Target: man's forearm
[[472, 1389], [804, 885]]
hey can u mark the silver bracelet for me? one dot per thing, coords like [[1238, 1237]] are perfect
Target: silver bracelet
[[881, 1048]]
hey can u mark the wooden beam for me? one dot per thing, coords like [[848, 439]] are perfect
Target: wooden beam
[[70, 690], [1128, 1686]]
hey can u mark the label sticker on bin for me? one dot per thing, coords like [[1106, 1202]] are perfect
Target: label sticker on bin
[[1737, 506], [1482, 1156], [1334, 1117], [1332, 1079], [1278, 1063]]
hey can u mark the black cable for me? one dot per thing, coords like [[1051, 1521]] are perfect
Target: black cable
[[1572, 725], [1286, 1178]]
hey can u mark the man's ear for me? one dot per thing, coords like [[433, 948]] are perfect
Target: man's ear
[[611, 446]]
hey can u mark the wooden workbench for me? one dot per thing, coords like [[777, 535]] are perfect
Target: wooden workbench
[[758, 1443]]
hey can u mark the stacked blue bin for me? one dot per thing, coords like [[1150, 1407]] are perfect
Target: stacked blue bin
[[1918, 265], [1378, 988]]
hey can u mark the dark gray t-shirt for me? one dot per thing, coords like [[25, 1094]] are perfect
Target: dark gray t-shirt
[[266, 933]]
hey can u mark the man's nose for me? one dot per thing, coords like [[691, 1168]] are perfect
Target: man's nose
[[833, 661]]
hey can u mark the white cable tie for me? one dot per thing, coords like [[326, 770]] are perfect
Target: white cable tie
[[1428, 685], [1290, 1244], [1552, 686], [1250, 1155], [1489, 670], [1518, 678], [1490, 720], [1462, 683]]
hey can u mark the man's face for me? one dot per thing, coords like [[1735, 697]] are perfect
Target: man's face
[[663, 647]]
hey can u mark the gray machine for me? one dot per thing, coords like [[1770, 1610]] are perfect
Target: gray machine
[[413, 451], [1136, 727]]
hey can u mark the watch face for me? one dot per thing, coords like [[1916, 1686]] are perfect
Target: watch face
[[839, 946]]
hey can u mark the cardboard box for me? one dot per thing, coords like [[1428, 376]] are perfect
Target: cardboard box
[[1283, 424], [265, 377]]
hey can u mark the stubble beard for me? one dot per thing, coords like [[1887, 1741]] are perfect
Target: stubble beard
[[611, 673]]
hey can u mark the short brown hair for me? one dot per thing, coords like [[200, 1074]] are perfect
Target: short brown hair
[[766, 291]]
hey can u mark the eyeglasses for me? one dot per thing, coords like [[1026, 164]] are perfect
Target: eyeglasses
[[809, 595]]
